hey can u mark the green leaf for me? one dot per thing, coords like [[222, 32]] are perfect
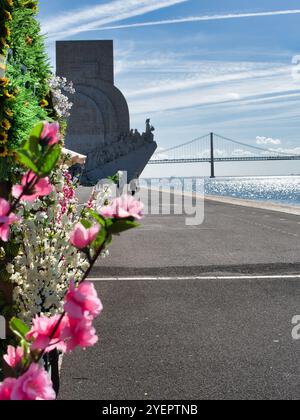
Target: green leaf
[[36, 132], [115, 178], [41, 159], [100, 219], [19, 328], [32, 145], [25, 159], [86, 223], [48, 162], [120, 226], [109, 223], [34, 148], [101, 238], [26, 349]]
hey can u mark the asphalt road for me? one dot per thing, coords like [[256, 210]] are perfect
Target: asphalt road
[[232, 239], [196, 339], [190, 340]]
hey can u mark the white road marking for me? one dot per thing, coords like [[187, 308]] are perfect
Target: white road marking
[[264, 226], [201, 278]]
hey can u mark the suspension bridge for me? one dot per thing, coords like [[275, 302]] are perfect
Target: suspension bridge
[[212, 148]]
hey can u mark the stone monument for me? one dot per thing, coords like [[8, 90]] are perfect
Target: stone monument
[[99, 126]]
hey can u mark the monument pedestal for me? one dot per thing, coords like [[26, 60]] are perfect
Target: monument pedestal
[[133, 163]]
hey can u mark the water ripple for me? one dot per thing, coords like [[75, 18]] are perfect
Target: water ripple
[[283, 190]]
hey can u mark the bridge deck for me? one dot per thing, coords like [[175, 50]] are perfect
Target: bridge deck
[[228, 159]]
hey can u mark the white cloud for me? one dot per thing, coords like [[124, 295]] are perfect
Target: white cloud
[[188, 93], [156, 80], [288, 151], [267, 141], [216, 94], [231, 72], [193, 19], [243, 153], [88, 18]]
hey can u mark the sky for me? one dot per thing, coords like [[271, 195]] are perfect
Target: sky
[[196, 66]]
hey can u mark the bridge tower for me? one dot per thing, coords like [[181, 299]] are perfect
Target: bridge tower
[[212, 156]]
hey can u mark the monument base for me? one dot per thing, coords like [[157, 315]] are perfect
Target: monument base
[[133, 163]]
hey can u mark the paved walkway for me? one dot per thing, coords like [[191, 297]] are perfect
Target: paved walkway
[[195, 337], [232, 239]]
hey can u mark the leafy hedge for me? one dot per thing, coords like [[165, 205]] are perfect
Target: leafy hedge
[[24, 101], [24, 88]]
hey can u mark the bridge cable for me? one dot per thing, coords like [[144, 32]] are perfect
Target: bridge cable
[[253, 147], [181, 145]]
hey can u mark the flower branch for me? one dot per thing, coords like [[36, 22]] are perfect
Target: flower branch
[[91, 236]]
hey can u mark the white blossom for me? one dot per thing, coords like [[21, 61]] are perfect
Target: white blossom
[[59, 87], [47, 262]]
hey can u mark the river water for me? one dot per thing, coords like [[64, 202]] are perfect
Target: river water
[[275, 189], [281, 190]]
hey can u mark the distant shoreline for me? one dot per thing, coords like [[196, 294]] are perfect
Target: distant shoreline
[[263, 205], [256, 204]]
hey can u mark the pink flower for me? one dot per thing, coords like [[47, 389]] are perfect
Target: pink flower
[[91, 201], [41, 331], [6, 389], [69, 192], [68, 177], [81, 237], [34, 385], [13, 356], [123, 207], [42, 187], [6, 219], [82, 300], [90, 204], [81, 333], [50, 133]]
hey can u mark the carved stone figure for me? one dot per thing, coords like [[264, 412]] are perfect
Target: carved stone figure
[[149, 131]]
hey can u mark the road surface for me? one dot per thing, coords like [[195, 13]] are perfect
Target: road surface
[[216, 325]]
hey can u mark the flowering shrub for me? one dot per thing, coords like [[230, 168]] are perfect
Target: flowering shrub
[[60, 87], [90, 236], [46, 263]]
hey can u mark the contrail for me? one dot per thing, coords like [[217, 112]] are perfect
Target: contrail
[[108, 13], [199, 19]]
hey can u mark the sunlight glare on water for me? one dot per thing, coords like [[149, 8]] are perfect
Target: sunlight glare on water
[[283, 190], [275, 189]]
